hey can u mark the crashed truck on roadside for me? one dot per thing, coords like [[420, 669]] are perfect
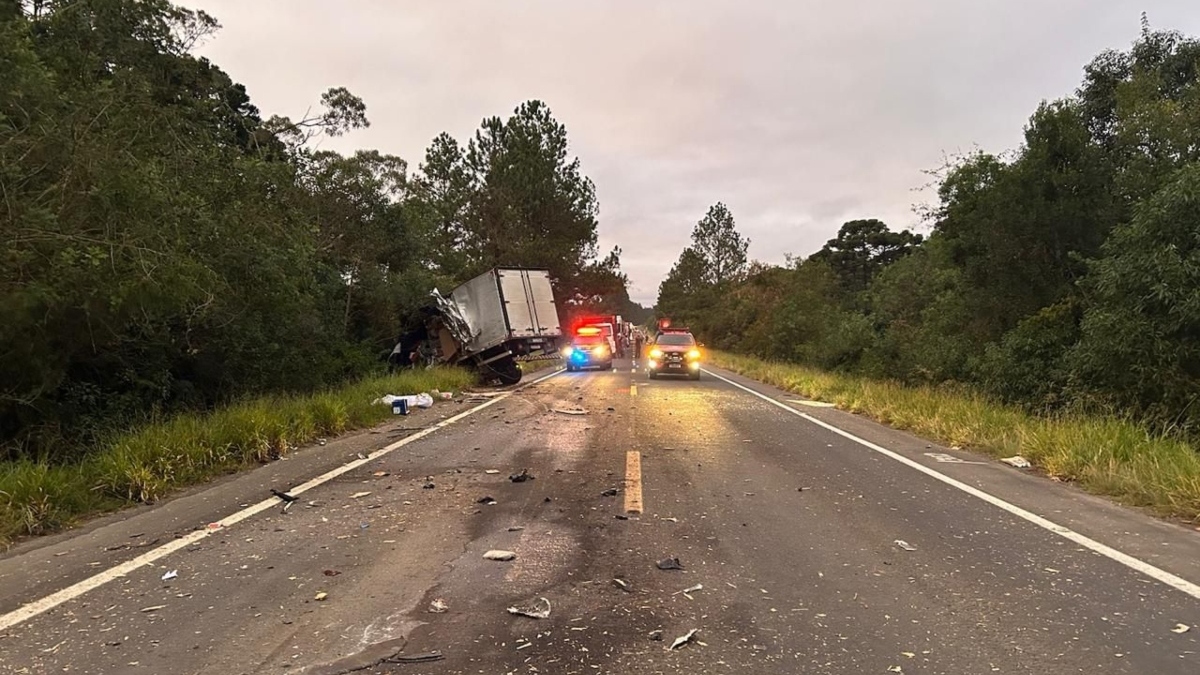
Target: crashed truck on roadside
[[489, 324]]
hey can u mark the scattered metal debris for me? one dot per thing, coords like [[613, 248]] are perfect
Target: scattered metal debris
[[684, 639], [173, 574], [359, 495], [656, 635], [669, 564], [381, 474], [521, 477], [904, 545], [491, 471], [538, 609], [571, 411], [1017, 461], [623, 584], [610, 492], [320, 597], [152, 608], [497, 554], [415, 658], [331, 573], [1181, 628], [690, 589], [438, 606], [284, 496], [485, 500], [428, 486]]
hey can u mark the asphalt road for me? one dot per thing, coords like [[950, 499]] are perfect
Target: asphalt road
[[784, 516]]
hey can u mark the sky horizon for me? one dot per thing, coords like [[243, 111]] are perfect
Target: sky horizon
[[797, 118]]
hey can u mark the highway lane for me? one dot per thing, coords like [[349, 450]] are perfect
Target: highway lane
[[789, 527]]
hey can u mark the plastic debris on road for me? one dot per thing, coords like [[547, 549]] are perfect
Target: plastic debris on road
[[497, 554], [320, 597], [1181, 628], [1017, 461], [669, 564], [359, 495], [521, 477], [173, 574], [571, 411], [413, 401], [438, 606], [904, 545], [152, 608], [538, 609], [283, 495], [491, 471], [684, 639]]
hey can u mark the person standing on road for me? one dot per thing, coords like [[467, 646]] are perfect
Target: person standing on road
[[638, 345]]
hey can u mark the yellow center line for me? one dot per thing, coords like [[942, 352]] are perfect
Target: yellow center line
[[633, 482]]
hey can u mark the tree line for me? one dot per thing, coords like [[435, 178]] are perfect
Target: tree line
[[166, 246], [1063, 275]]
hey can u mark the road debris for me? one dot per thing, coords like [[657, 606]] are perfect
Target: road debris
[[656, 635], [413, 401], [538, 609], [438, 606], [173, 574], [910, 655], [621, 516], [571, 411], [669, 564], [904, 545], [521, 477], [320, 596], [684, 639], [492, 471], [283, 496], [359, 495], [485, 500], [428, 486], [895, 669], [321, 441], [501, 555], [689, 590], [516, 528], [415, 658], [381, 474], [623, 584], [331, 573], [152, 608], [610, 492], [1017, 461], [1181, 628]]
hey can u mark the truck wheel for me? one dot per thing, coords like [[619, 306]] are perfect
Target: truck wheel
[[505, 370]]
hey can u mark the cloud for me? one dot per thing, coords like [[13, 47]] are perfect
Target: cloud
[[798, 115]]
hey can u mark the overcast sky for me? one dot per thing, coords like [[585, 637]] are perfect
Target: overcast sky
[[798, 114]]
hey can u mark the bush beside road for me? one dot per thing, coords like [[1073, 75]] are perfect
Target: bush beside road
[[147, 464], [1104, 455]]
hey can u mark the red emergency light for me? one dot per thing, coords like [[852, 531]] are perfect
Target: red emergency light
[[587, 330]]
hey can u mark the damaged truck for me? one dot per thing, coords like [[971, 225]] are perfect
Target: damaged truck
[[490, 324]]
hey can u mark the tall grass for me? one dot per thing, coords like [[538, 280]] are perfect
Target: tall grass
[[1105, 455], [146, 464]]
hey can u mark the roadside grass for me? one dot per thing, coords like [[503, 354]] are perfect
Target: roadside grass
[[146, 464], [1105, 455]]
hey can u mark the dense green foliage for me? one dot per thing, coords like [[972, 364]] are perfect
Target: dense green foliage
[[164, 247], [1064, 275]]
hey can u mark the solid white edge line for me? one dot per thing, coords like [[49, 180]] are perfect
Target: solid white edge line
[[1176, 582], [46, 603]]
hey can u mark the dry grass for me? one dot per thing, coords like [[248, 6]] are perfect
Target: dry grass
[[1104, 455], [147, 464]]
